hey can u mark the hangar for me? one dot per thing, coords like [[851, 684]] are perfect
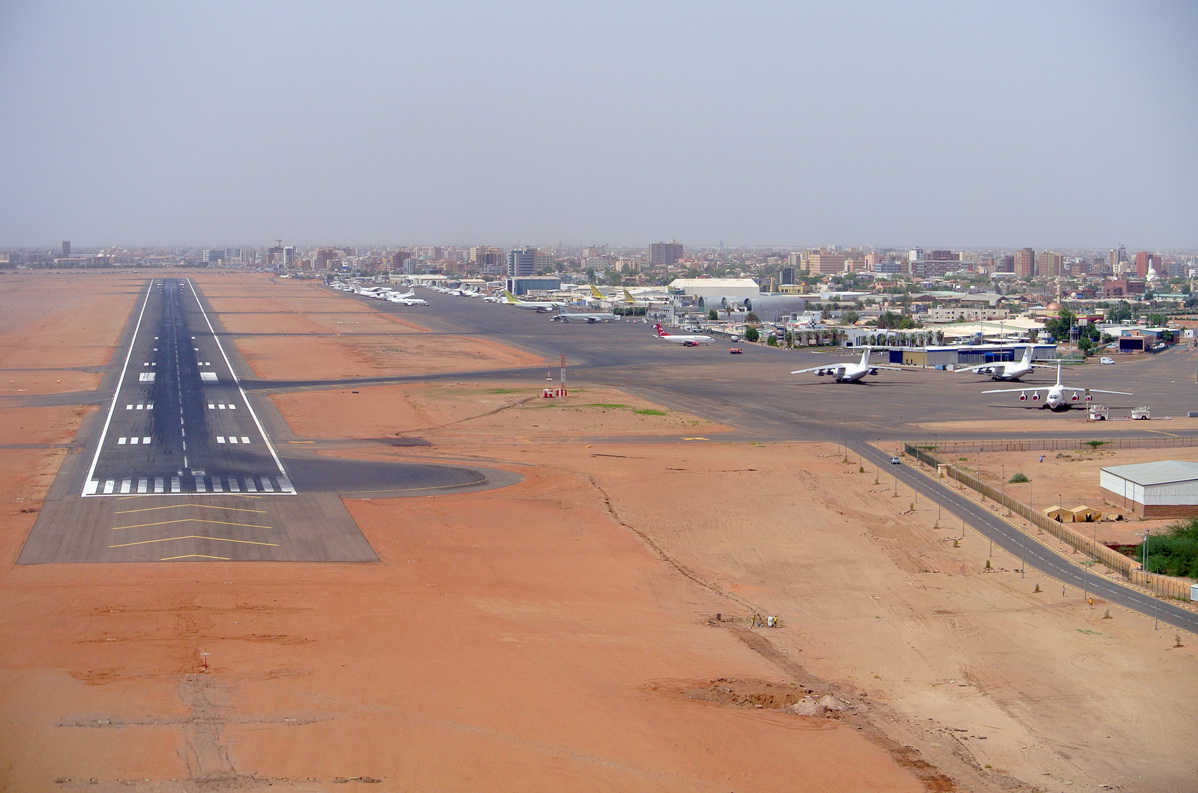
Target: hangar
[[1164, 489]]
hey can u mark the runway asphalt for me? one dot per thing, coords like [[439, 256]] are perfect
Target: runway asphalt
[[180, 466]]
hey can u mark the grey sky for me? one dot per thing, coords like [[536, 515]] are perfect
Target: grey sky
[[1049, 124]]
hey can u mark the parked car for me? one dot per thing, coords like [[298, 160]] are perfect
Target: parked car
[[736, 351], [1104, 359]]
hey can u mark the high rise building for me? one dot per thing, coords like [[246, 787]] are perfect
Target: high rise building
[[1025, 263], [1050, 264], [824, 263], [522, 262], [213, 255], [665, 252], [788, 275], [1117, 260], [66, 247]]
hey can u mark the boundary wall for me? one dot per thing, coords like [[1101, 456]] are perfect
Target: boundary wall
[[1130, 570], [1059, 444]]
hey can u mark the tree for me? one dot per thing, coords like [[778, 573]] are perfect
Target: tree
[[752, 334], [712, 314], [849, 317], [752, 319], [1060, 326]]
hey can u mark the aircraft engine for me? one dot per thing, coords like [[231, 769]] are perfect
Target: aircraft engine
[[1036, 397], [820, 372], [873, 371], [987, 370], [1074, 397], [1089, 396], [1023, 397]]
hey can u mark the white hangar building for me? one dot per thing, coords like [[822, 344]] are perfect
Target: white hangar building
[[716, 287], [1165, 489]]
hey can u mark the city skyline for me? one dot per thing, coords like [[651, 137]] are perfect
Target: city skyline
[[1049, 126]]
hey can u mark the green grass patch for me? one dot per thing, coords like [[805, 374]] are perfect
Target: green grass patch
[[506, 390], [650, 412], [1096, 444], [607, 405], [1016, 479]]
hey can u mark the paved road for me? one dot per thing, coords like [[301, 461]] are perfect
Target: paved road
[[1025, 548]]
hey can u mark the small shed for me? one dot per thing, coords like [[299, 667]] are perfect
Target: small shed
[[1084, 514], [1059, 514]]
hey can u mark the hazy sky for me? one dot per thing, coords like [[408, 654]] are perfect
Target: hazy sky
[[1042, 123]]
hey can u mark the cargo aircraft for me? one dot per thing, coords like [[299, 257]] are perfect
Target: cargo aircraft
[[848, 372], [1057, 397], [1007, 370]]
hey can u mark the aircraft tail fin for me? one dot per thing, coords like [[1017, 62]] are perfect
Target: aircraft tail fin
[[628, 298], [660, 330], [509, 297], [595, 293]]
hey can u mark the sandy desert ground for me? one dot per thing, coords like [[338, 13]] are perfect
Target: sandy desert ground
[[587, 629]]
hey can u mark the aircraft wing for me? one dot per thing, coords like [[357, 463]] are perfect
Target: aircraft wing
[[838, 368], [1096, 390], [891, 368], [1024, 390]]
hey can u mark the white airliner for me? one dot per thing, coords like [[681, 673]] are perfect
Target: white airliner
[[1056, 397], [847, 371], [629, 300], [690, 340], [407, 299], [1008, 370], [590, 318], [542, 306]]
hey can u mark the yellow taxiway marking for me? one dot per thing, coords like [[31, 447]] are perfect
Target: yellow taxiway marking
[[301, 441], [191, 520], [193, 537], [193, 556], [696, 439], [1170, 434], [183, 506]]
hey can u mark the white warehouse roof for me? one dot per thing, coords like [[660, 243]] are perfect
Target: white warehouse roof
[[1158, 473], [716, 287]]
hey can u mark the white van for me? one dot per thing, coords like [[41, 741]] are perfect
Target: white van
[[1104, 359]]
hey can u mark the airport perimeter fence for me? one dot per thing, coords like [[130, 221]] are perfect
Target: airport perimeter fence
[[1056, 444], [1113, 560]]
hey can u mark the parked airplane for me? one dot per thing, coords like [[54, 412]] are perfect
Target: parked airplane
[[1008, 370], [407, 299], [847, 371], [1056, 397], [629, 300], [691, 340], [544, 307], [589, 318]]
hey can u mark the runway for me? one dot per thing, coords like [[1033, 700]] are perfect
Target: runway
[[181, 465]]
